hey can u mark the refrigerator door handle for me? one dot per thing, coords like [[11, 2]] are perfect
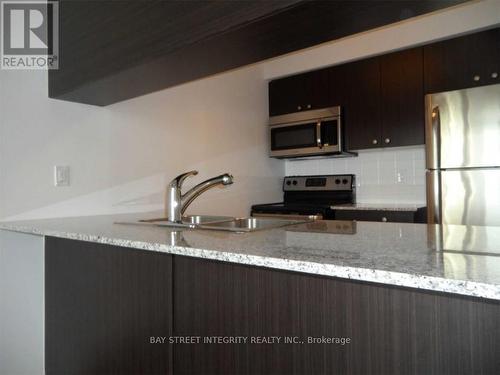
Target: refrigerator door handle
[[433, 180], [433, 134]]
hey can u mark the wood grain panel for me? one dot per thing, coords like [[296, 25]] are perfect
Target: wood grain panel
[[402, 91], [115, 50], [362, 106], [102, 303], [393, 330], [452, 64]]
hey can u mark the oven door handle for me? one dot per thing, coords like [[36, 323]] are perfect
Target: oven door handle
[[289, 217], [318, 135]]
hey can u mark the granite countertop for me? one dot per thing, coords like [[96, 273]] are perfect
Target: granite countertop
[[465, 262], [378, 206]]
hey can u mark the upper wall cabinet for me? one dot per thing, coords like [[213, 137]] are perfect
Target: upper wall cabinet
[[385, 105], [382, 98], [300, 93], [115, 50], [361, 103], [402, 98], [468, 61]]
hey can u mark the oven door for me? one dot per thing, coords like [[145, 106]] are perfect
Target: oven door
[[314, 137]]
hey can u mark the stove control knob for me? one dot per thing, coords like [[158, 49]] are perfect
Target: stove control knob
[[344, 181], [294, 182], [289, 182], [337, 181]]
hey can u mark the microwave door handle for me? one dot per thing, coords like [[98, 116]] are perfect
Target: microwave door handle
[[318, 135], [339, 136]]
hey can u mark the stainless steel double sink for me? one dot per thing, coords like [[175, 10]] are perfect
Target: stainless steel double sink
[[223, 223]]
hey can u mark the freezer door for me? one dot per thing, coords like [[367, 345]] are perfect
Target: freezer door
[[463, 128], [470, 197]]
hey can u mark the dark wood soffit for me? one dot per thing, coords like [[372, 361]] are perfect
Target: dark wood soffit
[[116, 74]]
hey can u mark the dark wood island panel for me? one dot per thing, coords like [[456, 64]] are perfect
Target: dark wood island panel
[[102, 304], [392, 330]]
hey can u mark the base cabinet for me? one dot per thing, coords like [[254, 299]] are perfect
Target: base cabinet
[[102, 305], [377, 215], [391, 330]]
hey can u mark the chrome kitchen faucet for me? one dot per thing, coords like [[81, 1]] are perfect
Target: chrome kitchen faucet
[[177, 203]]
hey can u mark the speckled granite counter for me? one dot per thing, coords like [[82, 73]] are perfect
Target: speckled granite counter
[[378, 207], [467, 261]]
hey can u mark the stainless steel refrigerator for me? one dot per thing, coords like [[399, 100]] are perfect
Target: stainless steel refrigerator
[[463, 156]]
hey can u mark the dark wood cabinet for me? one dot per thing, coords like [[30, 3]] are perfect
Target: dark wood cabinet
[[402, 98], [468, 61], [361, 106], [381, 98], [300, 92], [376, 215], [391, 330], [385, 107], [166, 43], [102, 305]]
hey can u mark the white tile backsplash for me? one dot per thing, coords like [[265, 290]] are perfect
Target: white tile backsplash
[[392, 175]]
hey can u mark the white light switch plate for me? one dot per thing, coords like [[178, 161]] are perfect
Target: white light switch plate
[[61, 175]]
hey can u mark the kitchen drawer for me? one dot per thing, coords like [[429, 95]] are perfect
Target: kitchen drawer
[[376, 215]]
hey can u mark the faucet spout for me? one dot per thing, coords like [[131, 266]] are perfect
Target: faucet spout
[[177, 203], [195, 192]]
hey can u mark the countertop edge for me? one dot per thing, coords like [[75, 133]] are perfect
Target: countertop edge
[[392, 278]]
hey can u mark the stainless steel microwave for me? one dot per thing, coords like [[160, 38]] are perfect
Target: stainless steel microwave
[[307, 133]]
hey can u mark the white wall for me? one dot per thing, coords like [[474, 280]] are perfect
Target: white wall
[[122, 155]]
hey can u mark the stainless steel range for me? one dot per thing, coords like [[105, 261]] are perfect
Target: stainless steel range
[[310, 196]]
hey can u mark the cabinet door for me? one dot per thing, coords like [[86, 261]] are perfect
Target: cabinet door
[[361, 114], [301, 92], [489, 56], [285, 94], [391, 330], [376, 215], [316, 92], [340, 85], [102, 305], [402, 99], [468, 61]]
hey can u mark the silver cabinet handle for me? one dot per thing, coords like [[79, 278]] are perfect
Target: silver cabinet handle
[[477, 78], [387, 140], [494, 75], [384, 219], [374, 142], [299, 107]]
